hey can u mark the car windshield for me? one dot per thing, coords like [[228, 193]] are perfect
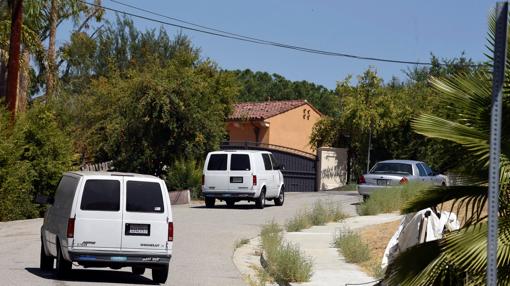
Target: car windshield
[[392, 168]]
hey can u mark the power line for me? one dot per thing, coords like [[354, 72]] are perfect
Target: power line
[[233, 36]]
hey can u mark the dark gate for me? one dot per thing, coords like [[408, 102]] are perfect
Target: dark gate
[[300, 174]]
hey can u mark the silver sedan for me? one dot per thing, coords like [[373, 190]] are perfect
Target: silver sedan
[[391, 173]]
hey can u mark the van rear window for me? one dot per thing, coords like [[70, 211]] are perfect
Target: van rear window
[[101, 195], [144, 197], [240, 162], [217, 162]]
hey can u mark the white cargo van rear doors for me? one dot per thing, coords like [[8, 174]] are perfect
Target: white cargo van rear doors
[[216, 174], [145, 223], [240, 175], [98, 220]]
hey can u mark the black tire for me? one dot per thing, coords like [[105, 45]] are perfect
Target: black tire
[[281, 198], [365, 198], [209, 202], [138, 270], [230, 203], [160, 274], [63, 266], [45, 261], [260, 203]]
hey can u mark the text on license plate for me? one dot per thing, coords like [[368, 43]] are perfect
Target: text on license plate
[[382, 182], [137, 229]]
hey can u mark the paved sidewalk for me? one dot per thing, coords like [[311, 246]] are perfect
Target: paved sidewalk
[[330, 267]]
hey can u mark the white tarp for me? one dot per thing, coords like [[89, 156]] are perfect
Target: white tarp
[[417, 228]]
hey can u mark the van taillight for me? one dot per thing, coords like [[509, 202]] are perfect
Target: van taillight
[[70, 228], [170, 231], [203, 180], [254, 180]]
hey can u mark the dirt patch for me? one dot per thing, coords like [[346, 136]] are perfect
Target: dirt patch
[[377, 237]]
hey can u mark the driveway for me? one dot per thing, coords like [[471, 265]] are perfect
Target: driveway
[[203, 245]]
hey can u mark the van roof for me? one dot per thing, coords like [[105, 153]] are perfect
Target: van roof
[[238, 151], [110, 174]]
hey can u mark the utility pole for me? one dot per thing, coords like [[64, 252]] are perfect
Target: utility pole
[[14, 56], [498, 80]]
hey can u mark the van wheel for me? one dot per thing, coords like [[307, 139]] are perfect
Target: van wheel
[[281, 198], [138, 270], [260, 203], [45, 261], [160, 274], [230, 203], [209, 202], [63, 266]]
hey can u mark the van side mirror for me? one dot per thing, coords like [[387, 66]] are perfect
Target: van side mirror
[[43, 199]]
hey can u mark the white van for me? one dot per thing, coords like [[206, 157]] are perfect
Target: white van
[[100, 219], [236, 175]]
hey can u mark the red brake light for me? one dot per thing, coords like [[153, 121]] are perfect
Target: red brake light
[[361, 180], [404, 181], [70, 228], [203, 180], [254, 179], [170, 231]]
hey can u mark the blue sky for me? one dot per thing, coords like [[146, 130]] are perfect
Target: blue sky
[[403, 29]]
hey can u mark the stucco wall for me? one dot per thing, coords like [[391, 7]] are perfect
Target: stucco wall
[[244, 131], [293, 128]]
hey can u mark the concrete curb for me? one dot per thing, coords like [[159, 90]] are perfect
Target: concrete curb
[[330, 267]]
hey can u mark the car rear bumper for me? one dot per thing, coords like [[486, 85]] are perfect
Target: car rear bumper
[[367, 190], [226, 194], [100, 259]]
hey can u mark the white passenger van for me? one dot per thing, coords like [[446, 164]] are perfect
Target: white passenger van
[[236, 175], [100, 219]]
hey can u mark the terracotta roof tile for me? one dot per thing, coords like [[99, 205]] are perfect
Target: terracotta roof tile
[[263, 110]]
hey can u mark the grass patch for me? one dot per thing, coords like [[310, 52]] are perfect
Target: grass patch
[[351, 246], [285, 262], [320, 214], [241, 242], [390, 199]]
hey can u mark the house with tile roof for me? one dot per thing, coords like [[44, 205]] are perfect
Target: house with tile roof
[[286, 123]]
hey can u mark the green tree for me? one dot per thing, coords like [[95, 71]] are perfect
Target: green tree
[[461, 257]]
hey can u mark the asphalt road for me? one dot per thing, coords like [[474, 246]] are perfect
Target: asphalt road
[[203, 245]]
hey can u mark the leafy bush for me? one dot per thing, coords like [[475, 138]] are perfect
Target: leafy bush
[[320, 214], [184, 175], [351, 246], [285, 262], [34, 152], [390, 200]]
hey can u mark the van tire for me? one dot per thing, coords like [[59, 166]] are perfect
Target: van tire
[[63, 266], [138, 270], [281, 198], [160, 274], [260, 203], [45, 261], [209, 202]]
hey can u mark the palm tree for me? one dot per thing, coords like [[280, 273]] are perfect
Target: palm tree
[[460, 257]]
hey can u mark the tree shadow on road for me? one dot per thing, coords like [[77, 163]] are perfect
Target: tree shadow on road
[[98, 276], [235, 207]]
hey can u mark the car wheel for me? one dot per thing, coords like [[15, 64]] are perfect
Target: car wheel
[[230, 203], [138, 270], [280, 199], [365, 198], [209, 202], [160, 274], [261, 201], [45, 261], [63, 266]]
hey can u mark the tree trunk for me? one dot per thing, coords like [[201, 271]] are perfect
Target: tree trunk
[[50, 84], [3, 75], [24, 81], [14, 53]]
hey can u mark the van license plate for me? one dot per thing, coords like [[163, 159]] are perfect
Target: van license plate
[[236, 179], [138, 229]]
